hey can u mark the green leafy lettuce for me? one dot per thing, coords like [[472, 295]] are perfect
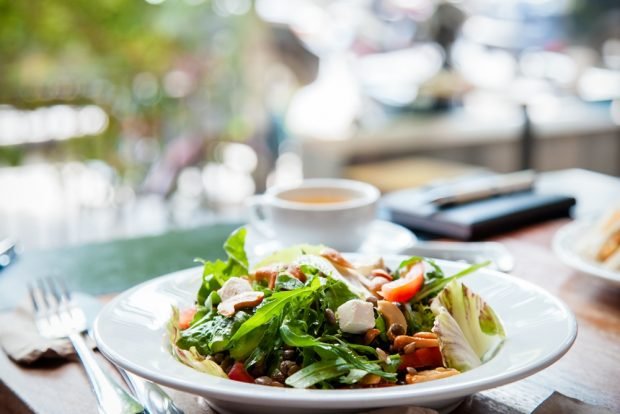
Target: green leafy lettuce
[[190, 356], [216, 273]]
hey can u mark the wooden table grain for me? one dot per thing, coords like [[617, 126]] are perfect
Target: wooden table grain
[[588, 371]]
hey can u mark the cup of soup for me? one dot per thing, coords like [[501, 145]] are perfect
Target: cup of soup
[[334, 212]]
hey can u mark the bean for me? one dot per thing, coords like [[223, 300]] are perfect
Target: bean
[[330, 316], [258, 370], [285, 366], [219, 357], [411, 370], [263, 380], [290, 354], [395, 330], [293, 369], [277, 384], [277, 375], [227, 364]]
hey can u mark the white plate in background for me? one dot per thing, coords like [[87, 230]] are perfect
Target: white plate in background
[[566, 245]]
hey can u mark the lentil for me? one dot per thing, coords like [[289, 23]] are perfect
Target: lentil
[[330, 316]]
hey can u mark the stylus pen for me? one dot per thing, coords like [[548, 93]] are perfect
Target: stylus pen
[[484, 188]]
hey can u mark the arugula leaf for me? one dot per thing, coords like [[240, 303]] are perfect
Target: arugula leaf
[[392, 364], [210, 283], [420, 318], [269, 343], [405, 263], [237, 258], [433, 288], [380, 325], [217, 272], [359, 362], [242, 349], [190, 357], [336, 293], [317, 372], [274, 306], [212, 333], [286, 281], [436, 273], [293, 336], [353, 376]]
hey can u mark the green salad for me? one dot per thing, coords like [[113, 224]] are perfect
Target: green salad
[[307, 317]]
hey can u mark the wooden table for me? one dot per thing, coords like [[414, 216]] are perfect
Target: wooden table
[[587, 372]]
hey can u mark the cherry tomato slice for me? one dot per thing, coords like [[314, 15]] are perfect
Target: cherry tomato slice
[[185, 318], [420, 358], [238, 373], [405, 288]]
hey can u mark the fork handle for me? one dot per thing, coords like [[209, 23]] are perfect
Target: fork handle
[[111, 397]]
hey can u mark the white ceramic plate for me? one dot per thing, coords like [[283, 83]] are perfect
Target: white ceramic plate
[[566, 246], [131, 331]]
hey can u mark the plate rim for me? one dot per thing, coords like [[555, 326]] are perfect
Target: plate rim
[[575, 260], [390, 396]]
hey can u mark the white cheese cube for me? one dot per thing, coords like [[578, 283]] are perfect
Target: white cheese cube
[[232, 287], [356, 316]]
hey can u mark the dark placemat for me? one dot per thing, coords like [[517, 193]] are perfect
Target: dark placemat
[[114, 266]]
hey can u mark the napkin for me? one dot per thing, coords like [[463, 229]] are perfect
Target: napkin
[[21, 341], [558, 403]]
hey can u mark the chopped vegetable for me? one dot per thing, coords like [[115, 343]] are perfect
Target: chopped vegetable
[[421, 358], [480, 327], [456, 351], [403, 289], [185, 318], [238, 373], [319, 371], [437, 284], [190, 356]]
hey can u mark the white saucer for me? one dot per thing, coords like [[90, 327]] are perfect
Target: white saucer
[[384, 238]]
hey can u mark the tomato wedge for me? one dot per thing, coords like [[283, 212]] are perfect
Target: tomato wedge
[[405, 288], [185, 318], [238, 373], [423, 357]]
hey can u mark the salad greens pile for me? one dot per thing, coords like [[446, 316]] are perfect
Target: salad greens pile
[[293, 334]]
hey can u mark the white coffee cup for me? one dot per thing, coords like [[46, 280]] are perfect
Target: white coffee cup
[[334, 212]]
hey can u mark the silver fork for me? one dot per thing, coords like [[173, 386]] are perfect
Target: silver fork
[[57, 316]]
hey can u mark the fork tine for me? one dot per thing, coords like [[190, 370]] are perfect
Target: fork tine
[[54, 290], [33, 298], [45, 303], [65, 293]]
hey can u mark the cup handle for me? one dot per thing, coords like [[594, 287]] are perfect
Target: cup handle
[[258, 219]]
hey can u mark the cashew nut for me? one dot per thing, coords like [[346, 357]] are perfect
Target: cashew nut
[[240, 301], [391, 313]]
